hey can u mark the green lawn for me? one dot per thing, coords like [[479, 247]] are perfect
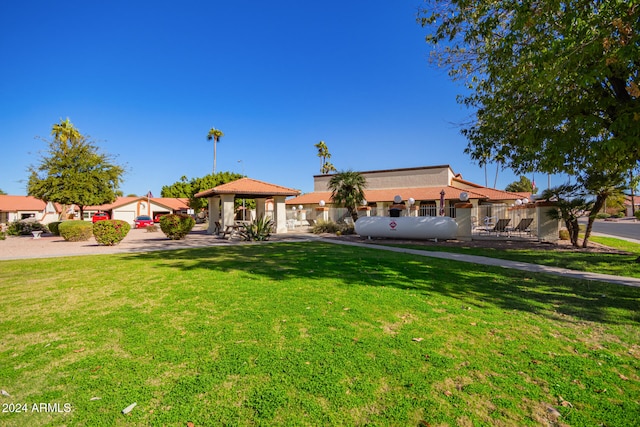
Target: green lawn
[[619, 264], [312, 334]]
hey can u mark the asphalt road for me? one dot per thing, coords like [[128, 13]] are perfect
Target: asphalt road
[[627, 229]]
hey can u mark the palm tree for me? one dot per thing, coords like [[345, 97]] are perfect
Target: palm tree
[[347, 190], [215, 135], [65, 131]]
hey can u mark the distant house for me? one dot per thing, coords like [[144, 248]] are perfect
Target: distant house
[[16, 208], [420, 189], [128, 208]]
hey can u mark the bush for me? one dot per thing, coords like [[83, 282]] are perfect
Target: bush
[[25, 227], [258, 230], [602, 215], [3, 235], [325, 227], [110, 232], [152, 228], [637, 214], [331, 227], [176, 226], [53, 227], [76, 231], [564, 234]]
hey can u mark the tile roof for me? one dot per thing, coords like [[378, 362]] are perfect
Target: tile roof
[[169, 202], [20, 203], [250, 188], [388, 194]]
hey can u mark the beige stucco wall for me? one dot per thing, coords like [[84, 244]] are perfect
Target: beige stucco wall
[[400, 178]]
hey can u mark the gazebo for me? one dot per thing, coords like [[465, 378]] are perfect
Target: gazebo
[[247, 188]]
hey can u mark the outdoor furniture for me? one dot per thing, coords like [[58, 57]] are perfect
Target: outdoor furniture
[[218, 227], [501, 226], [233, 229], [489, 224], [522, 227], [36, 234]]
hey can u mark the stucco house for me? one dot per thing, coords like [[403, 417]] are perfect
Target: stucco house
[[128, 208], [420, 190], [16, 208]]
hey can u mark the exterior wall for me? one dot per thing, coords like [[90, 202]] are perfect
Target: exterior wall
[[399, 178]]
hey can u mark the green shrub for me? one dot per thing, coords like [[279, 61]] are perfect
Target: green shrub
[[3, 235], [322, 226], [75, 231], [258, 230], [53, 227], [176, 226], [637, 214], [110, 232], [332, 227], [602, 215], [25, 227]]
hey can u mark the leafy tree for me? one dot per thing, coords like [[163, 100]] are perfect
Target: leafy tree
[[214, 135], [524, 185], [571, 203], [2, 193], [554, 85], [323, 152], [180, 189], [188, 188], [73, 171], [347, 190], [603, 184]]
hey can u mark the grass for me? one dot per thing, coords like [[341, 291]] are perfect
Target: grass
[[619, 264], [311, 334]]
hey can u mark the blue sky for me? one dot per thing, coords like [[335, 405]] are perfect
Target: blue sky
[[147, 80]]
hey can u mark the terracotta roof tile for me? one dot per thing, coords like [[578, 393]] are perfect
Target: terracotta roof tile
[[387, 195], [249, 187], [20, 203]]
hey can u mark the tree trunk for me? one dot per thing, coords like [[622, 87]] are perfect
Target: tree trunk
[[599, 203], [573, 228]]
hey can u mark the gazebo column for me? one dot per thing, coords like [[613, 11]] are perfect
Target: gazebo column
[[214, 214], [227, 210], [279, 214], [261, 207]]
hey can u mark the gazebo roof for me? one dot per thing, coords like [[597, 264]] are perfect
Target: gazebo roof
[[248, 188]]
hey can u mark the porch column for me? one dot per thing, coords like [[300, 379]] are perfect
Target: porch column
[[279, 214], [214, 214], [463, 219], [261, 207], [548, 229], [381, 209], [227, 210]]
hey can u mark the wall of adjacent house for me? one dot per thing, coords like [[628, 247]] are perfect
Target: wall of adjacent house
[[401, 178]]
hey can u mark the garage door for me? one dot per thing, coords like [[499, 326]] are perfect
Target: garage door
[[127, 216]]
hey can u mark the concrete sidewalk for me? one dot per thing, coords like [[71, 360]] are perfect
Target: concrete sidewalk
[[495, 262]]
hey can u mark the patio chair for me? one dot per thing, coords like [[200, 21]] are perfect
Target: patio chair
[[501, 226], [524, 226]]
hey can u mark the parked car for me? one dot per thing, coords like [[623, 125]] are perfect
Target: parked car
[[156, 217], [142, 221], [100, 216]]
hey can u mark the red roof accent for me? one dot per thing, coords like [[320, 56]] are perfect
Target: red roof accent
[[21, 203], [249, 187], [417, 193], [169, 202]]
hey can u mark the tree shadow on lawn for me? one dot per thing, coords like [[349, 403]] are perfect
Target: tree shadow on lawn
[[474, 285]]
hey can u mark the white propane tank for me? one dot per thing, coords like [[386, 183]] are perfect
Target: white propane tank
[[422, 227]]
